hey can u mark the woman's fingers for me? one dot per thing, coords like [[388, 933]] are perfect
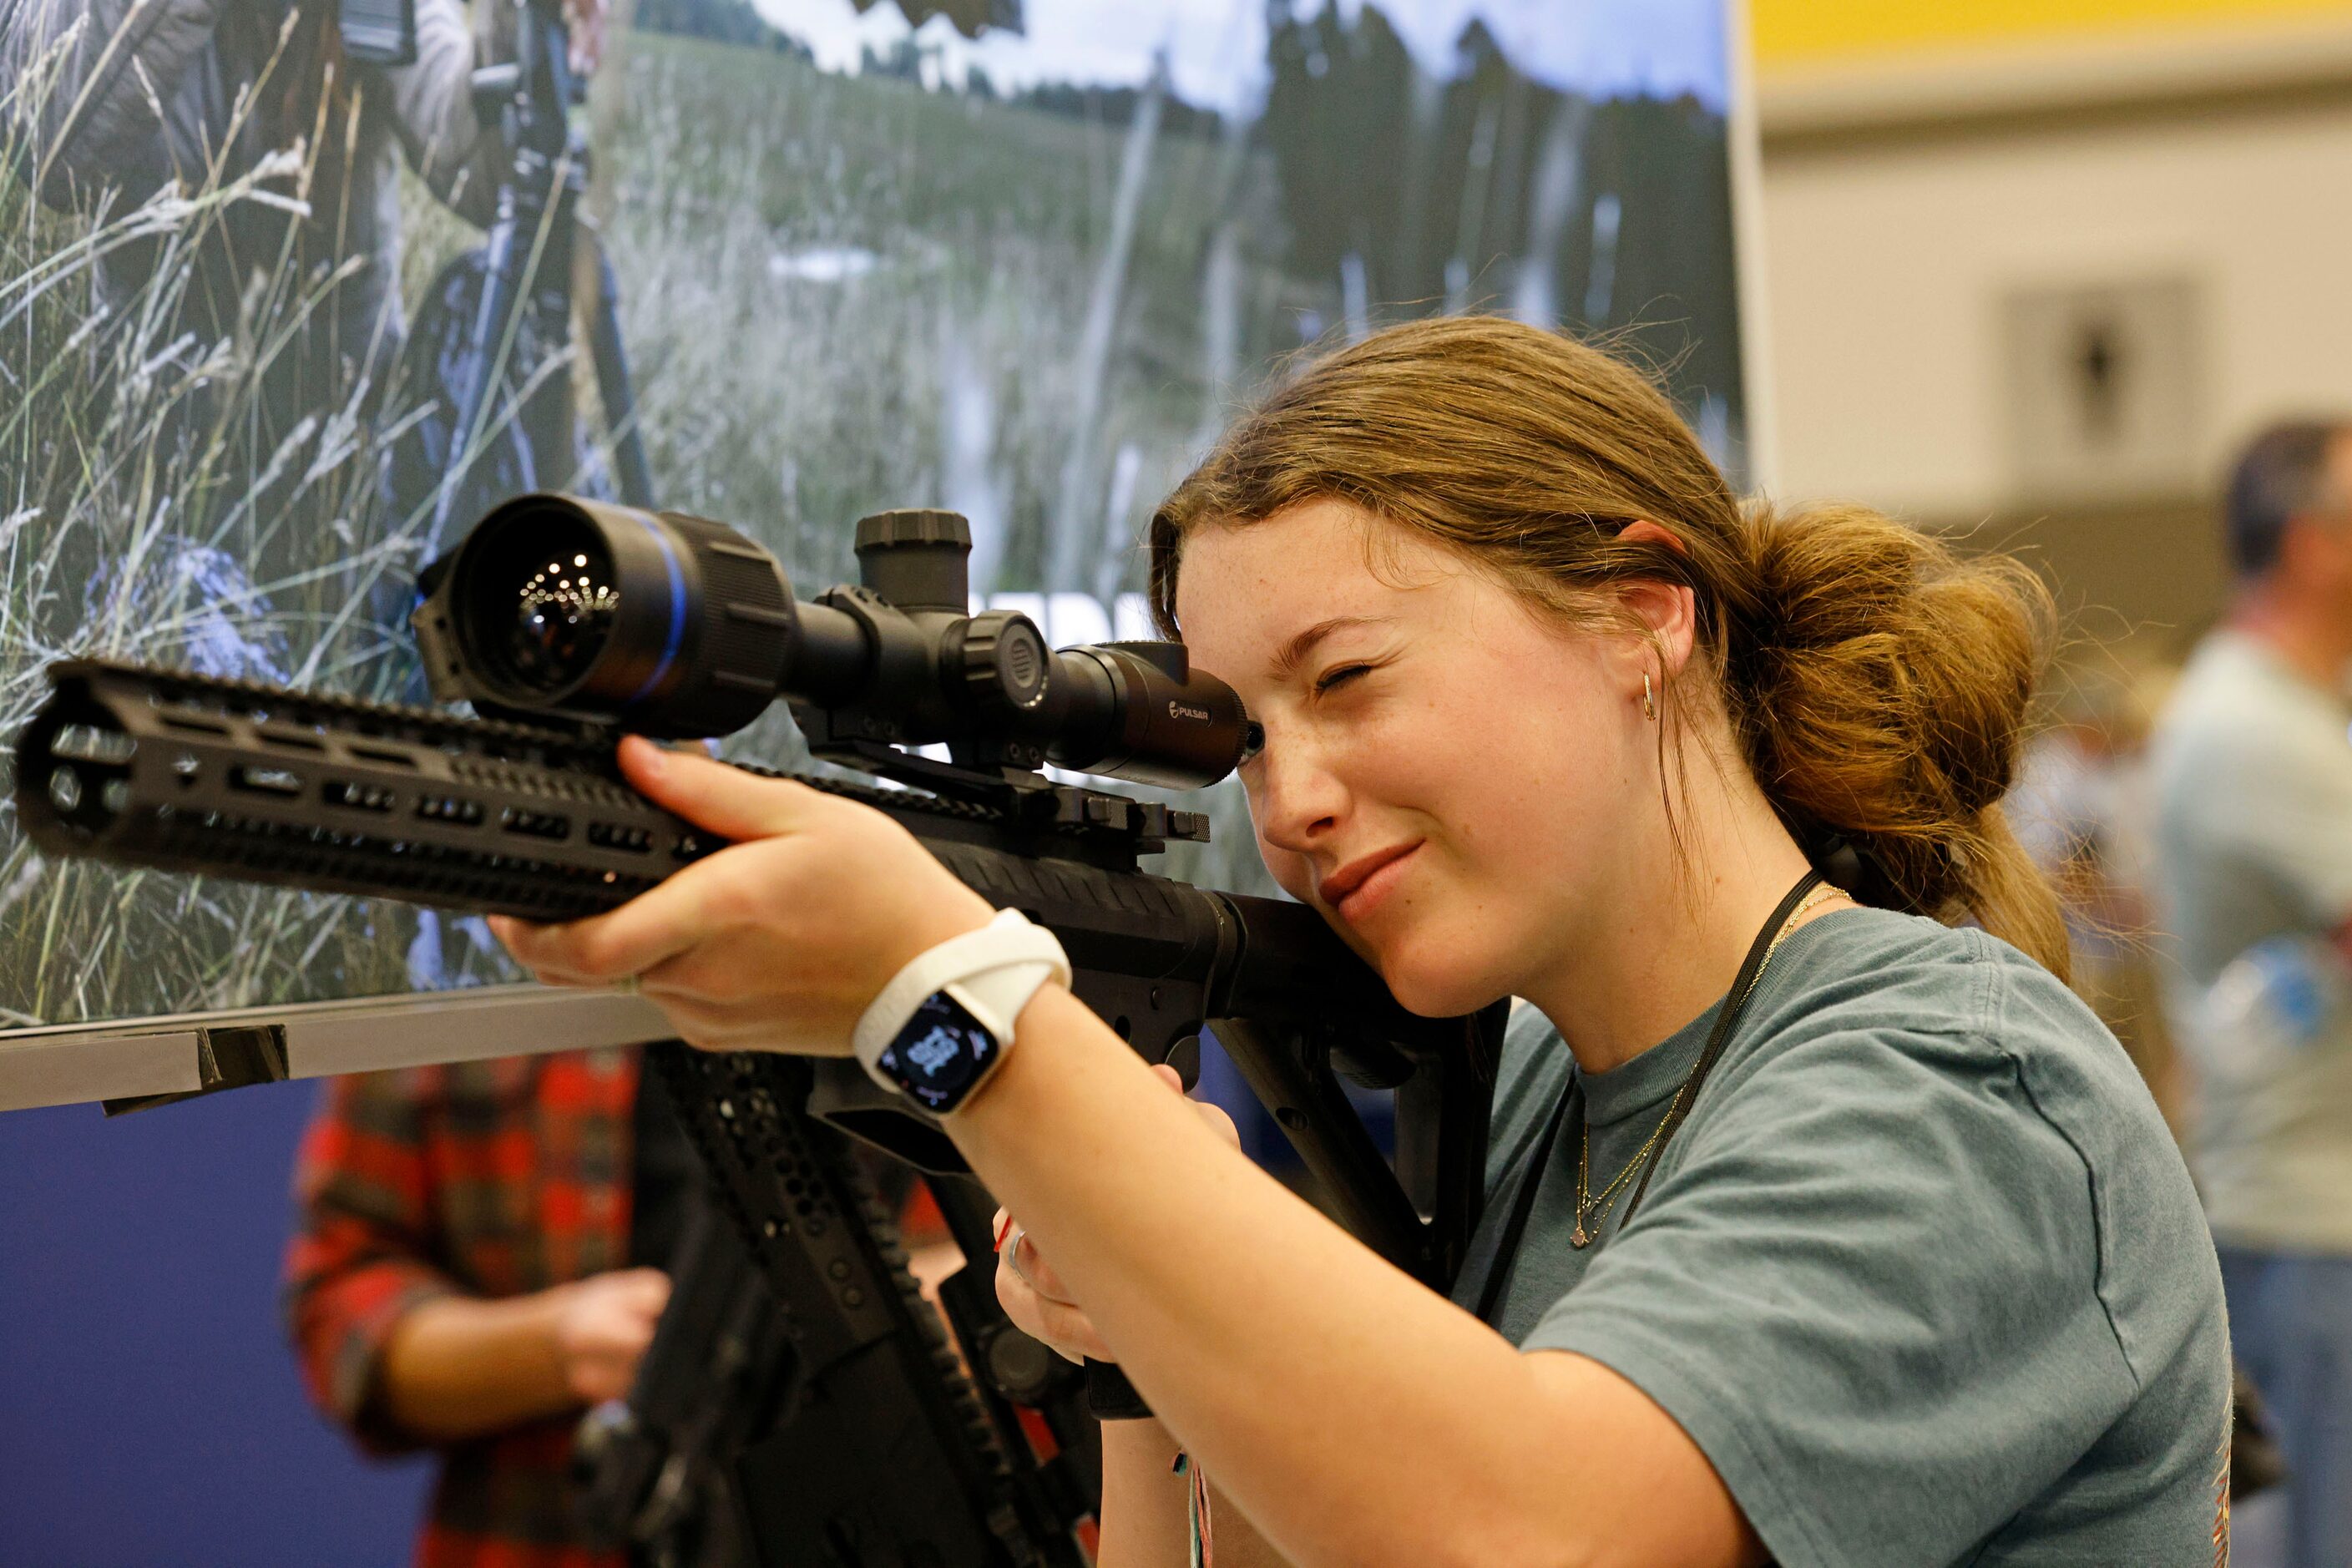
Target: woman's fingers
[[1066, 1329], [603, 950], [1037, 1302], [1071, 1332], [675, 916], [1213, 1115], [725, 799], [1029, 1265], [1033, 1294]]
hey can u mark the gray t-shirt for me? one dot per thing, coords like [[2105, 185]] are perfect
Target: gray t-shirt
[[2252, 773], [1922, 1274]]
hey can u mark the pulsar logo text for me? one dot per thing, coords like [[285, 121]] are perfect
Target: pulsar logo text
[[1179, 710]]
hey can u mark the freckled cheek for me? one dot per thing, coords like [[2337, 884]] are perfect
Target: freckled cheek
[[1290, 871], [1393, 758]]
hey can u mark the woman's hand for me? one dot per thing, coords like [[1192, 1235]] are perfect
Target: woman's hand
[[777, 943], [1033, 1296]]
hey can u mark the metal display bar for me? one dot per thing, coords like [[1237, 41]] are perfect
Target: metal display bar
[[131, 1063]]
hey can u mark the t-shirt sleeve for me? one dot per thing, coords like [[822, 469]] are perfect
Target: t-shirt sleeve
[[1867, 1292]]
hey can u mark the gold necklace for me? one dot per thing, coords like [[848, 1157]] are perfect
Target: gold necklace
[[1590, 1210]]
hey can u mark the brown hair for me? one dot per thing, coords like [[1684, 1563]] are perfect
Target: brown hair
[[1876, 682]]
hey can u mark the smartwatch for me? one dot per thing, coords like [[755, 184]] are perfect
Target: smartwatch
[[943, 1024]]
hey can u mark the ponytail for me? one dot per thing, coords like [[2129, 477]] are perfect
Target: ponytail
[[1876, 682], [1879, 685]]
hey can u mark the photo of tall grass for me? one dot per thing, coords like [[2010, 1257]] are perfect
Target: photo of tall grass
[[841, 291]]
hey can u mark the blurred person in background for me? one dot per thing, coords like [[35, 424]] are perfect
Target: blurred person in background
[[2081, 811], [2252, 772], [480, 1258], [484, 1251]]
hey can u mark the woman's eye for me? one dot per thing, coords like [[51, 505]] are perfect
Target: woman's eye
[[1338, 677]]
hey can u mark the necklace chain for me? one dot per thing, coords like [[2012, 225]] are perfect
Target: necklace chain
[[1590, 1209]]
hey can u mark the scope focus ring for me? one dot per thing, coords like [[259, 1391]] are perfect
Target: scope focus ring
[[1004, 664]]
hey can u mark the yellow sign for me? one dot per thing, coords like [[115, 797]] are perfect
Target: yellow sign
[[1821, 32]]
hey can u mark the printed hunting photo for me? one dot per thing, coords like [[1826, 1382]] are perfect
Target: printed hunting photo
[[1023, 268]]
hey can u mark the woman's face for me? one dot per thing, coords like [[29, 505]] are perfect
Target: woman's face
[[1456, 783]]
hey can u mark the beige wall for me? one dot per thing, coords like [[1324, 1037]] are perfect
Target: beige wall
[[1902, 209]]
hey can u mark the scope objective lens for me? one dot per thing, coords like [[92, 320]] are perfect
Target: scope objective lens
[[539, 598], [562, 615]]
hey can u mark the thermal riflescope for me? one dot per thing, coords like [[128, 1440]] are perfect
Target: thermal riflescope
[[678, 627]]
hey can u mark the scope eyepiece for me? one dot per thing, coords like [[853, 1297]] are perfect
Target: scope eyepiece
[[1138, 710]]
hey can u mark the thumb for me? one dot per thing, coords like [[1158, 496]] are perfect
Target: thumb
[[724, 800]]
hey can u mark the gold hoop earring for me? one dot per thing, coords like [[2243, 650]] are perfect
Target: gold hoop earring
[[1649, 699]]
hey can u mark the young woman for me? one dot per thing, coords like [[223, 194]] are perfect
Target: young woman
[[1817, 1232]]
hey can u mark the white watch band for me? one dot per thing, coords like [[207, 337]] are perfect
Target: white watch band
[[991, 971]]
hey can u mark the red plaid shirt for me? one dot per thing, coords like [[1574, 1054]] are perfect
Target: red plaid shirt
[[483, 1178]]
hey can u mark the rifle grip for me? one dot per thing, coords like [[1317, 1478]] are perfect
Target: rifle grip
[[1110, 1397]]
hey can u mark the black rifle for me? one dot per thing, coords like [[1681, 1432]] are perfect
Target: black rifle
[[753, 1433], [657, 1470], [189, 773], [811, 1408]]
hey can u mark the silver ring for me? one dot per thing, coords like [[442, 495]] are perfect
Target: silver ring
[[1013, 1256]]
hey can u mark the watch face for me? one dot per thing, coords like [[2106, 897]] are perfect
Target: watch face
[[940, 1053]]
